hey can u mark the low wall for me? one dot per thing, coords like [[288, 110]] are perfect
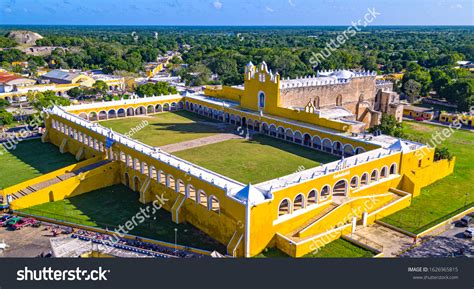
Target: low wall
[[48, 176], [103, 176]]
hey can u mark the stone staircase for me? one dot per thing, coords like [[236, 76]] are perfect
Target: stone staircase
[[294, 234], [39, 186]]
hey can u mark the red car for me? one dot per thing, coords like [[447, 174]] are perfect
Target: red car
[[25, 222], [420, 118]]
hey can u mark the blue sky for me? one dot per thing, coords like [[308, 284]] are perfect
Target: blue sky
[[235, 12]]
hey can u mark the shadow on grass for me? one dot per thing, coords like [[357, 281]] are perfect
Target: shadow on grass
[[43, 157], [111, 207], [189, 127]]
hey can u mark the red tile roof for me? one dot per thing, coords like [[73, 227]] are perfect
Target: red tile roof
[[6, 77]]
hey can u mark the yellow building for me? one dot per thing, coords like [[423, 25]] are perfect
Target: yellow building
[[418, 112], [466, 119], [151, 69], [298, 213]]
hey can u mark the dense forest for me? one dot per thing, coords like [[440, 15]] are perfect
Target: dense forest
[[426, 54]]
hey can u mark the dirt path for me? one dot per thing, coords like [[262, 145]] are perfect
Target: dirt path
[[199, 142]]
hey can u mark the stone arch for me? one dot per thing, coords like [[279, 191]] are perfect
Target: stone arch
[[265, 128], [214, 204], [166, 107], [130, 111], [112, 114], [121, 112], [384, 172], [191, 192], [317, 142], [312, 197], [93, 116], [298, 202], [180, 187], [393, 169], [173, 106], [83, 115], [307, 140], [158, 108], [340, 188], [337, 147], [140, 110], [126, 179], [281, 132], [150, 109], [339, 100], [202, 198], [364, 180], [170, 182], [327, 145], [273, 130], [354, 182], [152, 174], [289, 134], [103, 115], [348, 150], [284, 208], [374, 176], [316, 102], [325, 192], [298, 137]]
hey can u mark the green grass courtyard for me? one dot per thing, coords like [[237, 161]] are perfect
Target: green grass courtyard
[[165, 128], [447, 196], [257, 160], [30, 159], [113, 206], [338, 248]]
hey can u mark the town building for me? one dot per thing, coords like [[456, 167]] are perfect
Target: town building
[[375, 176]]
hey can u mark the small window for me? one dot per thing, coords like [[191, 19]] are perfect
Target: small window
[[261, 100]]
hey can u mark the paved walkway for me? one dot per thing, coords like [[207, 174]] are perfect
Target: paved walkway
[[393, 242], [199, 142]]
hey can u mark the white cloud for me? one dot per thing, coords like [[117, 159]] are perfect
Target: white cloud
[[456, 6], [269, 9], [217, 4], [291, 3]]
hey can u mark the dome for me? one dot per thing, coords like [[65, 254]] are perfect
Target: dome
[[343, 74]]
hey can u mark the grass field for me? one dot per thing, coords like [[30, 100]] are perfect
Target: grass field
[[443, 198], [338, 248], [113, 206], [255, 161], [30, 159], [165, 128]]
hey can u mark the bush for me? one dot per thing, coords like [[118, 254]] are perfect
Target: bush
[[443, 154]]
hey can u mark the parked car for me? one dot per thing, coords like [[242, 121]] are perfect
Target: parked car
[[420, 118], [467, 220], [12, 221], [4, 219], [24, 222], [469, 232]]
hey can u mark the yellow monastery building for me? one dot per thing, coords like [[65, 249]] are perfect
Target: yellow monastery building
[[376, 175]]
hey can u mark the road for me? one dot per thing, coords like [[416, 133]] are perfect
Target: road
[[447, 244]]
